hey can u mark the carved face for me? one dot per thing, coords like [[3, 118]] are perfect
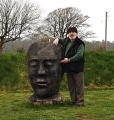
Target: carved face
[[44, 70]]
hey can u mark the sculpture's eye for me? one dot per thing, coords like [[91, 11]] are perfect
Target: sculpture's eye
[[32, 63], [49, 62]]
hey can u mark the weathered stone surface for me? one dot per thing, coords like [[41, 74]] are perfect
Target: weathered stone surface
[[44, 70], [55, 99]]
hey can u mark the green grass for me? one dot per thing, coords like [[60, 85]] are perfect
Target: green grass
[[99, 71], [99, 105], [99, 68], [15, 90], [13, 72]]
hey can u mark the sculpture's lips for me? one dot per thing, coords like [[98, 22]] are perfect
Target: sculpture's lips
[[41, 82]]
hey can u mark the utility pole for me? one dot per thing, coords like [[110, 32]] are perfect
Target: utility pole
[[106, 31]]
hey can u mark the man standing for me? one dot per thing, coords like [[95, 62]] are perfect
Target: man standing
[[73, 64]]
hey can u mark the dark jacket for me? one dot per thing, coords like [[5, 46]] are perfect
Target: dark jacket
[[76, 66]]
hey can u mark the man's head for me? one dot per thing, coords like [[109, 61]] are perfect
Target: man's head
[[44, 68], [72, 32]]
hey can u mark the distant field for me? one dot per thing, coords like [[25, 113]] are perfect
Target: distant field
[[99, 105]]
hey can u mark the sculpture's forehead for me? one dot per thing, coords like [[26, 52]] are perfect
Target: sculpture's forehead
[[43, 51], [41, 57]]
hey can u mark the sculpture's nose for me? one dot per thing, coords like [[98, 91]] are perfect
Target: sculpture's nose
[[41, 70]]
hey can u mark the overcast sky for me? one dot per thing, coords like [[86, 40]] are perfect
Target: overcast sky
[[96, 9]]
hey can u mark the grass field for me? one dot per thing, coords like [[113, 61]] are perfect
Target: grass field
[[15, 90], [99, 105]]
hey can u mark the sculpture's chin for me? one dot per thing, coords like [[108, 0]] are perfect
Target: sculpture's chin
[[43, 91]]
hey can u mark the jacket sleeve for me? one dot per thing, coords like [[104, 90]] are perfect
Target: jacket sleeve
[[61, 40], [78, 55]]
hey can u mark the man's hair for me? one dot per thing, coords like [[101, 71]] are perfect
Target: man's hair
[[72, 29]]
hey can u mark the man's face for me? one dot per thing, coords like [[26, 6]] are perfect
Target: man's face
[[44, 72], [72, 35]]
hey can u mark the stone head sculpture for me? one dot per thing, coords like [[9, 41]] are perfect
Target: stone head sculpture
[[44, 70]]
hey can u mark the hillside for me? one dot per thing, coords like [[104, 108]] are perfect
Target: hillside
[[99, 71]]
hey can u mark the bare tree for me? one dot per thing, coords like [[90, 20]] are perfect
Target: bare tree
[[17, 20], [58, 21], [39, 33]]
